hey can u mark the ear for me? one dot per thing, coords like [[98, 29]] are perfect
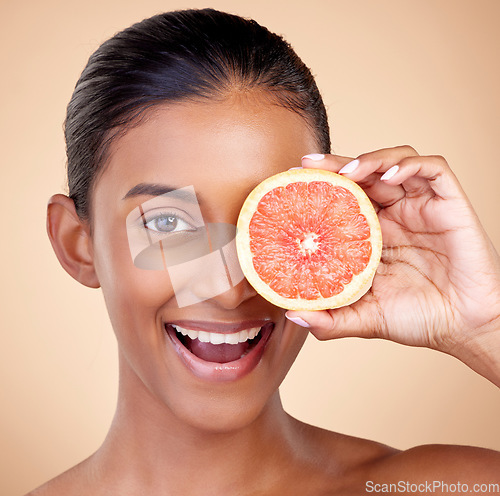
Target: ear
[[70, 238]]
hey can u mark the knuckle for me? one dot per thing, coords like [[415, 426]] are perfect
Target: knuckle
[[408, 149], [364, 157], [379, 156], [440, 160], [370, 159], [322, 336]]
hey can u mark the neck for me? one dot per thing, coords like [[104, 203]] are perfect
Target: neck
[[149, 448]]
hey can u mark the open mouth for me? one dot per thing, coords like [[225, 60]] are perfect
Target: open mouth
[[218, 347]]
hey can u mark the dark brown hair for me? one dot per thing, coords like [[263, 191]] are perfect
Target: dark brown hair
[[172, 57]]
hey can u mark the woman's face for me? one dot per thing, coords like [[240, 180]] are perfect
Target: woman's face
[[221, 151]]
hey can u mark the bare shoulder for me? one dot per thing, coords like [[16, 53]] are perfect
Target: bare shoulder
[[334, 463], [68, 483], [353, 454], [437, 469], [343, 451], [356, 466], [439, 460]]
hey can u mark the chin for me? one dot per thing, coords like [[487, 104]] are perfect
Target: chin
[[216, 376], [231, 415]]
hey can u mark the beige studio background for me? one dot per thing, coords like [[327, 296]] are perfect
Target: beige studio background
[[424, 73]]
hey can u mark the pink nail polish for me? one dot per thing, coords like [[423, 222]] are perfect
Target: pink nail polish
[[298, 321], [350, 167], [389, 173], [314, 156]]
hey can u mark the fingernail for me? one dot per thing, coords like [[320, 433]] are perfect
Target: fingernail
[[292, 168], [350, 167], [389, 173], [298, 321], [314, 156]]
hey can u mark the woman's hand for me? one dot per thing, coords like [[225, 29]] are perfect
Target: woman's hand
[[438, 284]]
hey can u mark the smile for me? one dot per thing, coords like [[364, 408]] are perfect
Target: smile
[[218, 337], [218, 351]]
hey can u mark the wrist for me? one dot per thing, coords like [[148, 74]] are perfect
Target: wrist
[[480, 350]]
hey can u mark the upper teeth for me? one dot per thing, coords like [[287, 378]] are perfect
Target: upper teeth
[[217, 337]]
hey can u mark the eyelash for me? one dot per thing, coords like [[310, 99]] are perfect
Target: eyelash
[[147, 219]]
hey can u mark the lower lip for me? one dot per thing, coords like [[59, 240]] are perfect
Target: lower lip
[[221, 372]]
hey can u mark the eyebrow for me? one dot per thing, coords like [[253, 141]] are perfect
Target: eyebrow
[[154, 189]]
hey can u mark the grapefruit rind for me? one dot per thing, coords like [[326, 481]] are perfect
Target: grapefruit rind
[[359, 284]]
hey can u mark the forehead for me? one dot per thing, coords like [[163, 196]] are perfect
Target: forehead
[[213, 146]]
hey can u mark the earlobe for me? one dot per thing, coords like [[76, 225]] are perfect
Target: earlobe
[[70, 238]]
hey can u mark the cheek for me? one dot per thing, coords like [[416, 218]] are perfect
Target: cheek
[[135, 300], [130, 292]]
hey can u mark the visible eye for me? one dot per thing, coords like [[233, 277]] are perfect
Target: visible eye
[[168, 223]]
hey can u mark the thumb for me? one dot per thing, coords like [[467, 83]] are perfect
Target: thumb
[[350, 321]]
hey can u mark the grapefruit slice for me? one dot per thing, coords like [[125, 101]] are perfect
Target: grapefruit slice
[[309, 239]]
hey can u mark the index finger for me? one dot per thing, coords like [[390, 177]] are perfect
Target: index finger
[[332, 163], [380, 193]]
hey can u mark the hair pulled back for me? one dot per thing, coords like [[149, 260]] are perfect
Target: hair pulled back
[[173, 57]]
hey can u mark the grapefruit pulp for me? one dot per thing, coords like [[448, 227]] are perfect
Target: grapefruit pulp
[[309, 239]]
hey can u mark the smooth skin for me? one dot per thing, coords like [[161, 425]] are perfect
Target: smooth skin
[[175, 434]]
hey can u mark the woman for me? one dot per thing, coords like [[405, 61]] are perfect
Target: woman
[[178, 118]]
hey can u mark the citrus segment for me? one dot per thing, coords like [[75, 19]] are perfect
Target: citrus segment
[[309, 239]]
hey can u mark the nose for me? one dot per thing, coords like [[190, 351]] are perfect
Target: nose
[[216, 275], [232, 298], [222, 282]]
